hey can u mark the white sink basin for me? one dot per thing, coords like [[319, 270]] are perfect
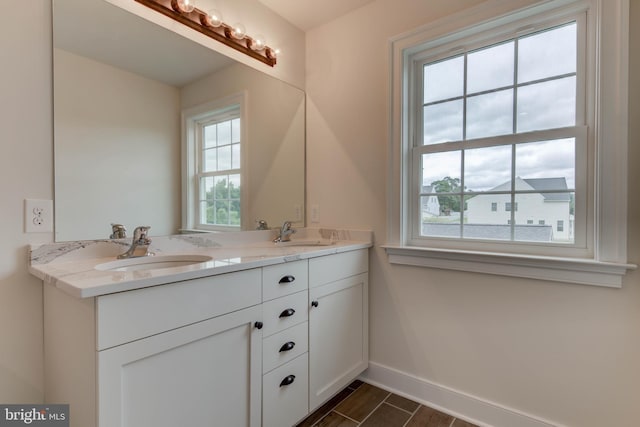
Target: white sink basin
[[152, 262]]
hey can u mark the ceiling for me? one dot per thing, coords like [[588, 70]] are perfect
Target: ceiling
[[308, 14]]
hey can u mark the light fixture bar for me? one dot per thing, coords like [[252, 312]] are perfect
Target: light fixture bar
[[196, 20]]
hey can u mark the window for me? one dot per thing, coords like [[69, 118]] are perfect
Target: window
[[213, 135], [523, 107], [507, 206], [529, 221], [494, 207], [560, 226], [503, 118]]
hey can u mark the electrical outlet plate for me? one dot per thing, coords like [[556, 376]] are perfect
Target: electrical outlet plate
[[297, 213], [38, 216]]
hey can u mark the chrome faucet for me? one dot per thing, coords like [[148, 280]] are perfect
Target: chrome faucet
[[139, 245], [285, 233], [118, 231]]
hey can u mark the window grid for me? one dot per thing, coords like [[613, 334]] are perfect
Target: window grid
[[421, 148], [218, 175]]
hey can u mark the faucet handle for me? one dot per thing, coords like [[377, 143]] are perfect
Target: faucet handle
[[118, 231]]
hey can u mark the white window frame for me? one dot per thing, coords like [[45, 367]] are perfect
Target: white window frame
[[604, 263], [192, 120]]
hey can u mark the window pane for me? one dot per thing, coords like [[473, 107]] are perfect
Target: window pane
[[221, 188], [547, 54], [441, 171], [222, 212], [234, 187], [235, 130], [207, 212], [224, 158], [487, 217], [235, 156], [547, 165], [490, 114], [224, 133], [487, 169], [443, 122], [210, 160], [444, 79], [547, 105], [546, 209], [490, 68], [210, 136], [206, 188], [446, 224]]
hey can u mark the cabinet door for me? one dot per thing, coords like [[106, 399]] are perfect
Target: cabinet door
[[338, 336], [205, 374]]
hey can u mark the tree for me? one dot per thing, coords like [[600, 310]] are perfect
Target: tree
[[448, 202]]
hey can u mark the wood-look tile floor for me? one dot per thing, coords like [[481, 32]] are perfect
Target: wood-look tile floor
[[361, 404]]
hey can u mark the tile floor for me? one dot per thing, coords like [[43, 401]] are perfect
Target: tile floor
[[361, 404]]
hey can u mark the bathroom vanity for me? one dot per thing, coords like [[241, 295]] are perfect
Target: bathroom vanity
[[259, 335]]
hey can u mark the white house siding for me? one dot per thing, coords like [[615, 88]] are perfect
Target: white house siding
[[532, 207]]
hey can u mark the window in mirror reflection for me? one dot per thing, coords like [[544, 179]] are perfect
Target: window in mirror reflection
[[218, 140]]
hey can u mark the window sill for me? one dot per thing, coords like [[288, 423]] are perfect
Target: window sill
[[567, 270]]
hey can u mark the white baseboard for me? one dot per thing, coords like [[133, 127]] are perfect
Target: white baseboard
[[455, 403]]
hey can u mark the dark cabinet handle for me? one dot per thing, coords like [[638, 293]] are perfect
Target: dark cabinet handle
[[287, 346], [314, 303], [288, 380], [288, 312], [287, 279], [258, 325]]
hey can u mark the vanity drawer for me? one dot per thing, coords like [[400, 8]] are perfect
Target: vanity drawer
[[285, 312], [327, 269], [128, 316], [284, 279], [285, 393], [284, 346]]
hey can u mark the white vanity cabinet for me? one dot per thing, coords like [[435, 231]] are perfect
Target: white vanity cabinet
[[260, 347], [338, 323], [185, 353]]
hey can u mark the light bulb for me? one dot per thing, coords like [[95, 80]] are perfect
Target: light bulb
[[258, 42], [273, 52], [186, 6], [238, 31], [214, 18]]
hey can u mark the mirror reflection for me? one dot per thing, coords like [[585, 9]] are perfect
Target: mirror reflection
[[140, 116]]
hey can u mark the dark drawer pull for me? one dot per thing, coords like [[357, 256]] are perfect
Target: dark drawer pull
[[287, 279], [314, 303], [288, 312], [287, 346], [258, 325], [288, 380]]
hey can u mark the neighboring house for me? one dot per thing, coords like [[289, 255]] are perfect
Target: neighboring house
[[531, 209], [430, 204]]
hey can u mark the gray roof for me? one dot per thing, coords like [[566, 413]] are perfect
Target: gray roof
[[549, 184], [527, 233]]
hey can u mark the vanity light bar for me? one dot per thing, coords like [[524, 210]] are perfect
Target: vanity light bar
[[224, 33]]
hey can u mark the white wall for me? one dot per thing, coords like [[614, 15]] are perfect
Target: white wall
[[566, 353], [25, 172], [116, 134]]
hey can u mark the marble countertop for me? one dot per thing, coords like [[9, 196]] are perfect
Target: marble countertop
[[71, 266]]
